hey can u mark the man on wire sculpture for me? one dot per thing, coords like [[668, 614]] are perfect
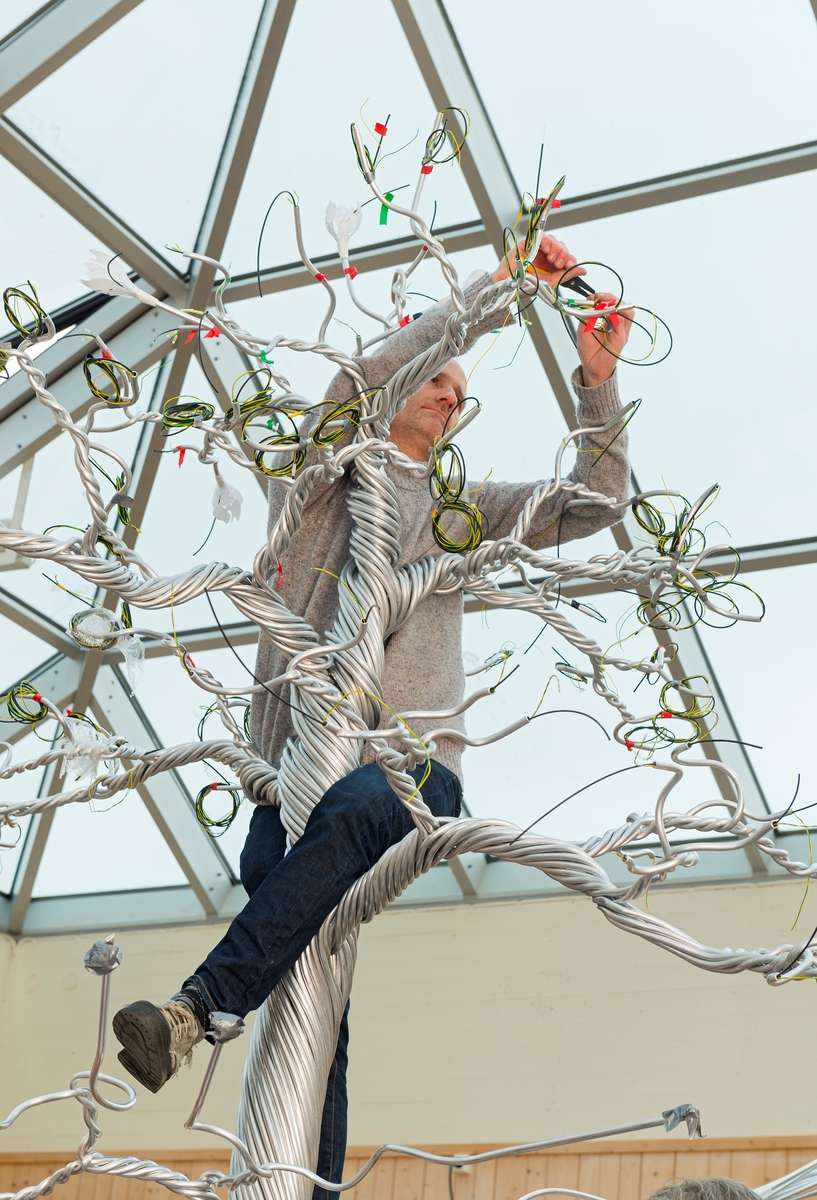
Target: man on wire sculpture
[[360, 816]]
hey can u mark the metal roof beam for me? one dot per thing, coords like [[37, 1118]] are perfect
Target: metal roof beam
[[139, 908], [684, 185], [50, 38], [26, 425], [33, 621], [57, 359], [31, 857], [83, 206], [53, 782], [486, 170], [375, 257], [248, 111], [58, 678]]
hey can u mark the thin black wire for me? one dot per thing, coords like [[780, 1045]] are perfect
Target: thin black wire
[[213, 387], [285, 192], [550, 712], [788, 810], [633, 411], [652, 362], [260, 682], [539, 171], [620, 771], [797, 952], [732, 741], [392, 191], [803, 809], [206, 540]]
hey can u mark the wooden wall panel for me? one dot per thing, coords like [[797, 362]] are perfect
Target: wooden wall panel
[[624, 1170]]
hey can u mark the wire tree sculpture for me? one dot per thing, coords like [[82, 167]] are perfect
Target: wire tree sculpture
[[334, 681]]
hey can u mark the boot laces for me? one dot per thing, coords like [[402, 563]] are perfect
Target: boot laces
[[184, 1031]]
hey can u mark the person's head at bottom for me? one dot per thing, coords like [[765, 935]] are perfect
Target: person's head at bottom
[[710, 1187]]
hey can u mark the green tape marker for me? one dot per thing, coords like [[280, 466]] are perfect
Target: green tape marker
[[384, 212]]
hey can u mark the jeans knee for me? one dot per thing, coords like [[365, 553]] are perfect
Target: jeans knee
[[263, 849]]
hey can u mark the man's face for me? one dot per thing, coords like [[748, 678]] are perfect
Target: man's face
[[428, 412]]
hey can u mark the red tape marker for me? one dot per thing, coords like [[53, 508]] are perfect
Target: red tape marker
[[666, 714], [629, 744], [182, 452], [320, 278], [37, 698], [213, 787], [556, 204], [426, 169], [107, 354], [190, 337], [351, 272], [590, 326], [404, 320], [380, 129], [213, 332]]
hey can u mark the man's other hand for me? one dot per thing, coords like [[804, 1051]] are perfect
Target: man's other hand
[[552, 263], [597, 349]]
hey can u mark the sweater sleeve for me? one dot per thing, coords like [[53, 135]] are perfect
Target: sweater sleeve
[[405, 344], [601, 464]]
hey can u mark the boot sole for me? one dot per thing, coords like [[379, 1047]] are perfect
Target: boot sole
[[145, 1037]]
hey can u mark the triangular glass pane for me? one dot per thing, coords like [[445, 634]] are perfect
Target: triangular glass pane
[[690, 100], [22, 651], [150, 150], [732, 415], [525, 775], [94, 849], [53, 253], [770, 698], [175, 707], [304, 143]]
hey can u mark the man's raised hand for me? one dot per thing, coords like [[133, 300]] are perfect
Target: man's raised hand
[[552, 261], [597, 349]]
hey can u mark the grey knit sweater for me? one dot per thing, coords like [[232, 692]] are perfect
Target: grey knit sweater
[[423, 658]]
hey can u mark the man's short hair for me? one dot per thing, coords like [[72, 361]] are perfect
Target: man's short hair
[[710, 1187]]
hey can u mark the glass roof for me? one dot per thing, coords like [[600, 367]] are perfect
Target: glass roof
[[150, 151], [730, 405], [303, 143], [54, 254], [643, 93]]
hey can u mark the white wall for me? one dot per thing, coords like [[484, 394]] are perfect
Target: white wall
[[470, 1024]]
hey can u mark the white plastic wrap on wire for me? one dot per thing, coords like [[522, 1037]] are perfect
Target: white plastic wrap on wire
[[331, 681]]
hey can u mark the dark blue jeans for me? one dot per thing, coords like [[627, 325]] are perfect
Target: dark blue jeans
[[290, 897]]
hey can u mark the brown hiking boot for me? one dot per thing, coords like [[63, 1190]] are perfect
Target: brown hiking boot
[[155, 1040]]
